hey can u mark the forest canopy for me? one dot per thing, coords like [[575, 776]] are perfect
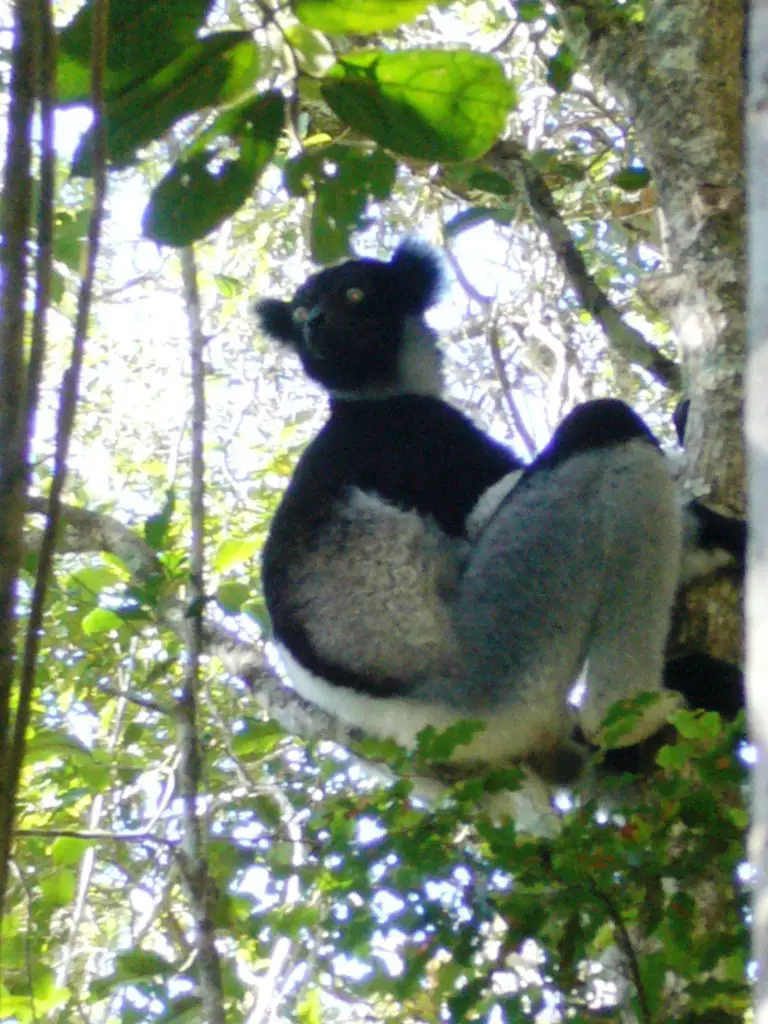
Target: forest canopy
[[182, 838]]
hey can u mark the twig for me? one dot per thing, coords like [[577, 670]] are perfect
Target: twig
[[97, 836], [493, 342], [506, 388], [135, 698], [193, 864], [624, 942], [509, 156]]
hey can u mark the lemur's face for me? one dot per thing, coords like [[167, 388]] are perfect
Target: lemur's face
[[359, 327], [346, 324]]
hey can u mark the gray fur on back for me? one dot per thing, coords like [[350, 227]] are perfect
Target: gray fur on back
[[577, 571]]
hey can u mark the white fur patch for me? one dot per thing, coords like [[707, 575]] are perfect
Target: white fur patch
[[402, 720], [488, 503]]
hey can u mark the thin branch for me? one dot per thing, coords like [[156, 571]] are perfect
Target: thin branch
[[509, 158], [124, 837], [624, 943], [44, 258], [137, 699], [87, 863], [17, 191], [487, 302], [194, 866], [506, 387]]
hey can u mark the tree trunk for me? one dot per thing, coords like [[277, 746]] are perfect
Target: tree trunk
[[680, 75], [757, 438]]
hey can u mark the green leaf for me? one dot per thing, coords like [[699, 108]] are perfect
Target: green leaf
[[39, 1001], [440, 746], [674, 757], [309, 1010], [231, 597], [204, 187], [267, 810], [435, 105], [58, 287], [95, 578], [138, 964], [67, 851], [561, 68], [342, 179], [256, 610], [314, 52], [257, 739], [698, 725], [631, 179], [232, 552], [47, 743], [217, 69], [171, 25], [228, 287], [70, 230], [100, 620], [491, 181], [58, 888], [529, 10], [357, 16], [156, 526]]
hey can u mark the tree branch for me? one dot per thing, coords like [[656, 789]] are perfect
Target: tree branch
[[509, 159], [17, 193], [193, 864]]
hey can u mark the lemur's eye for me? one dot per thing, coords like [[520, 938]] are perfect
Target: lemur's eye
[[355, 295], [300, 315]]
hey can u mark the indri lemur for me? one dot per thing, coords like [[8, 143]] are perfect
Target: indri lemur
[[405, 593]]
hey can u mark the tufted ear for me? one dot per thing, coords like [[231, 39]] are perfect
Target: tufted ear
[[275, 320], [419, 276]]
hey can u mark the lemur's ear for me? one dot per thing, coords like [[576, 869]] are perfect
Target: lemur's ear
[[419, 276], [275, 320]]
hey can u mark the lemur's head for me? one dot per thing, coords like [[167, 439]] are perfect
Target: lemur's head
[[359, 328]]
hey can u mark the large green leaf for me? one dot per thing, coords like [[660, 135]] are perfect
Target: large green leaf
[[436, 105], [341, 179], [171, 26], [359, 16], [214, 70], [203, 188]]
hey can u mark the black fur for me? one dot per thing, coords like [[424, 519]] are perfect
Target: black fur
[[348, 345], [413, 451], [718, 532], [600, 423]]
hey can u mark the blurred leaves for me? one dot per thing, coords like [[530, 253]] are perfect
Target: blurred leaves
[[340, 181], [358, 16], [215, 70], [216, 173], [143, 36]]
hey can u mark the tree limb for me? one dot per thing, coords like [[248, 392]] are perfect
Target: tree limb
[[509, 159]]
